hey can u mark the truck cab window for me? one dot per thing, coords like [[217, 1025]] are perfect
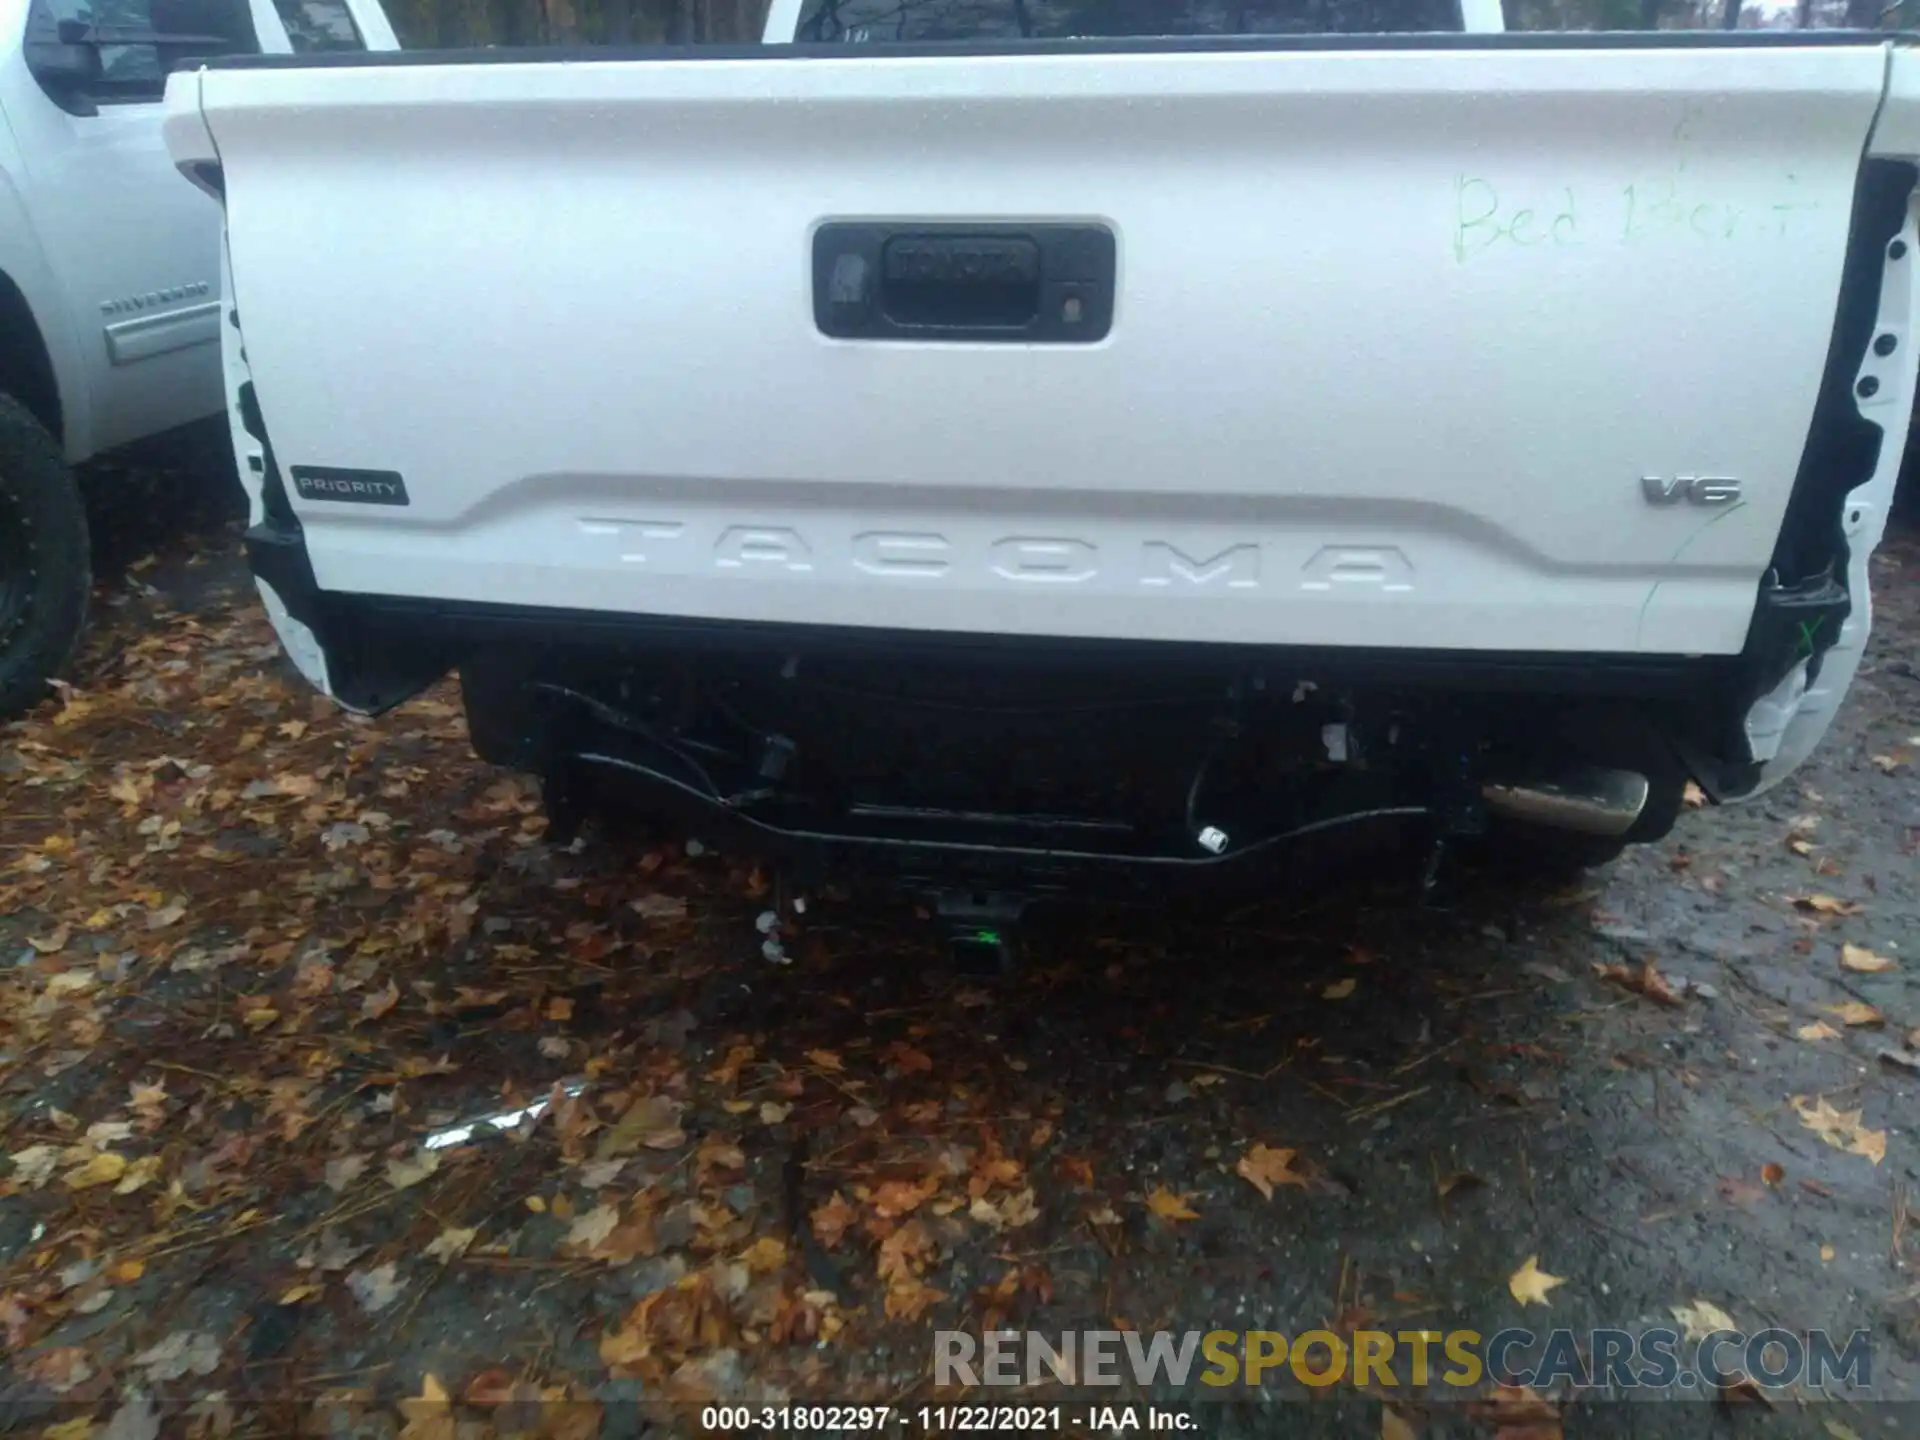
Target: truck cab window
[[86, 53], [853, 22], [319, 25]]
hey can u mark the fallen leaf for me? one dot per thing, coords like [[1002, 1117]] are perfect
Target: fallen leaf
[[832, 1220], [1010, 1213], [429, 1415], [593, 1227], [343, 1170], [901, 1197], [1264, 1167], [1702, 1318], [1841, 1128], [35, 1165], [184, 1352], [450, 1244], [905, 1058], [1856, 1012], [1340, 989], [379, 1002], [1863, 960], [826, 1060], [1516, 1413], [772, 1112], [1818, 1030], [376, 1288], [54, 942], [140, 1174], [1826, 905], [901, 1257], [1530, 1283], [764, 1256], [1169, 1206], [101, 1169], [404, 1174], [1645, 980], [61, 1369], [136, 1419]]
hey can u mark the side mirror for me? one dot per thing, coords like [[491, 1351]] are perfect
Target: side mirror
[[66, 71]]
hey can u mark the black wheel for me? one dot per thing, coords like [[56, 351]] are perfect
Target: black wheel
[[44, 571]]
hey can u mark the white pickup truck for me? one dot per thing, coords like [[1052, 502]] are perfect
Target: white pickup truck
[[109, 270], [959, 438]]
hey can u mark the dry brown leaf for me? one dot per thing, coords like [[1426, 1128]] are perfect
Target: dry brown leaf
[[140, 1174], [1517, 1413], [1826, 905], [376, 1288], [450, 1244], [652, 1121], [429, 1415], [379, 1002], [1818, 1030], [35, 1165], [1841, 1128], [1169, 1206], [832, 1220], [905, 1058], [1702, 1318], [1644, 980], [408, 1172], [1863, 960], [1530, 1284], [1264, 1167], [1340, 989], [893, 1198], [764, 1256], [343, 1170], [1012, 1212], [1856, 1013], [589, 1230], [902, 1256], [53, 942], [102, 1169], [826, 1060]]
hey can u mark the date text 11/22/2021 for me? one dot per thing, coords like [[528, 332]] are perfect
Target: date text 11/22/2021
[[943, 1419]]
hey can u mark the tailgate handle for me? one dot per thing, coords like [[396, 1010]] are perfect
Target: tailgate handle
[[1030, 284]]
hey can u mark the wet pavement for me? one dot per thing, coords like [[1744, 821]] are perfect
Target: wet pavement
[[262, 958]]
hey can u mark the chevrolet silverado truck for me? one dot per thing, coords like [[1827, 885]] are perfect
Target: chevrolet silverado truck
[[109, 272], [951, 438]]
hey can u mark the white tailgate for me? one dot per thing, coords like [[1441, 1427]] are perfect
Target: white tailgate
[[1397, 334]]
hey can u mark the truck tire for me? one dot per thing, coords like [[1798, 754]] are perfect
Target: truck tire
[[45, 574]]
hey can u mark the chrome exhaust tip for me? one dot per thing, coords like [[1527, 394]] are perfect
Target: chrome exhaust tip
[[1587, 798]]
